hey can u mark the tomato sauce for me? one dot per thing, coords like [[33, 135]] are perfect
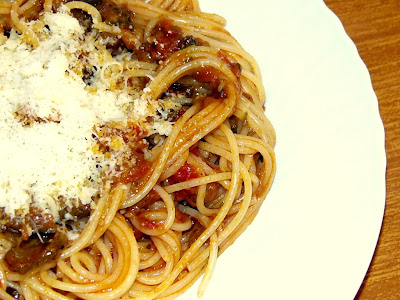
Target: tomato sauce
[[207, 75], [137, 172], [185, 173], [166, 39], [145, 222]]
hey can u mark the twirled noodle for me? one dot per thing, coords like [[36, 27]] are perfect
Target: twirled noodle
[[206, 179]]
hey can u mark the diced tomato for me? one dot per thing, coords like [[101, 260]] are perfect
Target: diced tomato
[[185, 173], [149, 224]]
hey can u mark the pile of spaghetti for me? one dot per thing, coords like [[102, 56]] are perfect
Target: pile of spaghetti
[[135, 147]]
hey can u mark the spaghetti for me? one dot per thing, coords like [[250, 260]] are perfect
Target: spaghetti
[[176, 187]]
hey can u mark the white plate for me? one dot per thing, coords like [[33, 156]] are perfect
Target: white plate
[[317, 230]]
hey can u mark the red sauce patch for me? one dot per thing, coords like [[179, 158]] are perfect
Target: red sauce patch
[[185, 173], [166, 39], [139, 171], [211, 77], [207, 75], [145, 222], [180, 216]]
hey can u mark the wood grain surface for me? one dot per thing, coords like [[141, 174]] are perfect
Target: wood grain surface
[[374, 26]]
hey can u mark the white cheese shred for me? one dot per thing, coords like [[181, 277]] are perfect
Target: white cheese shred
[[48, 116]]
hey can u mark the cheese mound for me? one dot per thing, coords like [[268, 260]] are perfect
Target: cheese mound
[[49, 114]]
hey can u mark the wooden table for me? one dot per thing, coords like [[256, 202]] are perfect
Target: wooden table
[[374, 26]]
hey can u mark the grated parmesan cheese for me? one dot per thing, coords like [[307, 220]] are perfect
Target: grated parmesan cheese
[[48, 116]]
